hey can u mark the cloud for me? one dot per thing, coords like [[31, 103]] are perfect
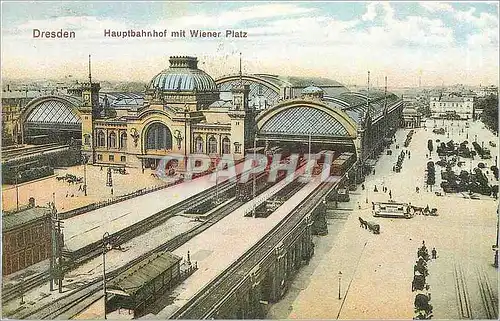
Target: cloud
[[432, 6], [484, 19], [233, 18], [284, 38], [370, 13]]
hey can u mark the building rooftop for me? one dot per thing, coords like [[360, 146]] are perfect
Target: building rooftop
[[14, 220], [183, 75], [142, 273]]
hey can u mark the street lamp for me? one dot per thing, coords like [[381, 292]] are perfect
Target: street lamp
[[104, 244], [340, 280], [84, 160]]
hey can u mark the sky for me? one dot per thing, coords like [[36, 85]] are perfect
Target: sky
[[437, 42]]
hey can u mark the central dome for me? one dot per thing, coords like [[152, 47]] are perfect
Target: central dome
[[183, 75]]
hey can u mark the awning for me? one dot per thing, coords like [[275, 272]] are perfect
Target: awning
[[142, 273]]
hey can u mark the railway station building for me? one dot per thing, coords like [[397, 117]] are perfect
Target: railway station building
[[185, 111]]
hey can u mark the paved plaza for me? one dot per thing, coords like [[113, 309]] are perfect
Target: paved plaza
[[377, 270], [70, 196]]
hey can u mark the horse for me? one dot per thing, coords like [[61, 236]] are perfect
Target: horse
[[362, 223]]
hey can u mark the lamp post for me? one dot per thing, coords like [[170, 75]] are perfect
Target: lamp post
[[217, 181], [340, 280], [84, 160], [104, 244]]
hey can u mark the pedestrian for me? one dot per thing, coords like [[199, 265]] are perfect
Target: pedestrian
[[390, 194], [101, 168], [359, 206], [373, 206], [375, 189], [363, 187], [433, 253], [111, 190]]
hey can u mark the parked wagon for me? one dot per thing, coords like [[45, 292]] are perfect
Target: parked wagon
[[373, 227]]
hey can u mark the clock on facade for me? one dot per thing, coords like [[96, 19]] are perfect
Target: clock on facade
[[86, 97]]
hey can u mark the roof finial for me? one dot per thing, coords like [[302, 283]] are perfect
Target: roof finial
[[368, 94], [90, 71], [385, 93]]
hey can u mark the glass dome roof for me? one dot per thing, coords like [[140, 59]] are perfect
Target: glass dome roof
[[183, 75]]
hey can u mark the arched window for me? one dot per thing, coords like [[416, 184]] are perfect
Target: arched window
[[101, 139], [212, 145], [226, 146], [158, 137], [123, 140], [86, 139], [112, 140], [198, 143]]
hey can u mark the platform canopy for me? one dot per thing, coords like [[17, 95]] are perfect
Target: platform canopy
[[132, 280]]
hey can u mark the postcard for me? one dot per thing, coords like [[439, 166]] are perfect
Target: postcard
[[250, 160]]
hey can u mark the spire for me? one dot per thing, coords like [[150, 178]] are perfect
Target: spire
[[367, 95], [241, 78], [385, 93], [90, 71]]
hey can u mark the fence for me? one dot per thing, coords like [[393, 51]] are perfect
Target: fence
[[97, 205]]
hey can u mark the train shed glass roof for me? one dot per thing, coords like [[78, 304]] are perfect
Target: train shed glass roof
[[121, 100], [303, 120], [54, 111]]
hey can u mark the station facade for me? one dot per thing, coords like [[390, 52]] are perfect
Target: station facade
[[185, 111]]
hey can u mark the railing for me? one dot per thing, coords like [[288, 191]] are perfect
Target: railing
[[97, 205]]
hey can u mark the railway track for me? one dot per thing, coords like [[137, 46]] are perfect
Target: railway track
[[208, 299], [463, 300], [10, 155], [11, 292], [63, 307], [488, 297]]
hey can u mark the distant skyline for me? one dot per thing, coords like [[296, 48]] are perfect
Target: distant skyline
[[441, 42]]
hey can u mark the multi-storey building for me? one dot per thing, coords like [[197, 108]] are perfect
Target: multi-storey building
[[452, 106], [26, 238]]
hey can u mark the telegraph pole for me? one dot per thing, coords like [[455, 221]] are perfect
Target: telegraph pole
[[53, 246], [253, 175], [59, 250]]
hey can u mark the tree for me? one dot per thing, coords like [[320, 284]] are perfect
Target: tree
[[431, 174], [489, 116], [429, 146]]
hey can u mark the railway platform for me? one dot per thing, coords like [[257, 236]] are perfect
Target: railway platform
[[234, 236], [88, 228]]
